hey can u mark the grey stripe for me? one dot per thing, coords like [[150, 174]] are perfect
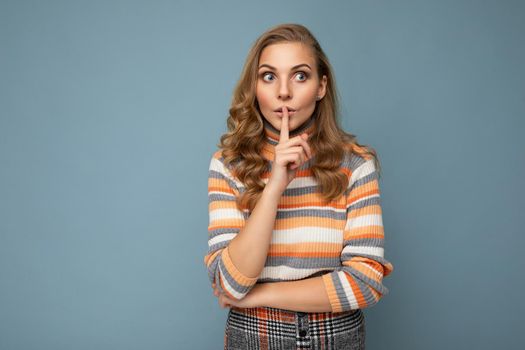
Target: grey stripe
[[220, 197], [217, 246], [364, 280], [365, 203], [303, 263], [352, 161], [320, 213], [237, 287], [218, 175], [345, 303], [292, 192], [363, 180], [212, 270]]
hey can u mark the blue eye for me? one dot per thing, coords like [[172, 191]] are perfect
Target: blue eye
[[303, 74], [266, 74]]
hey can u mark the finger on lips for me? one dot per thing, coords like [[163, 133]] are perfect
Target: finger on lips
[[284, 134]]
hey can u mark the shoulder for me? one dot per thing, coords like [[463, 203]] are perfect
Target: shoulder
[[217, 162], [217, 155], [354, 158], [218, 168], [357, 164]]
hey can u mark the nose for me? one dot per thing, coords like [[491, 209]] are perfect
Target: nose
[[285, 91]]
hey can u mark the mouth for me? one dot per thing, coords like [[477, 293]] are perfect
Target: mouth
[[280, 113], [290, 109]]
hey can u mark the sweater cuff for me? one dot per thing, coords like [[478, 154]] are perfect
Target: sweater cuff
[[331, 291], [237, 275]]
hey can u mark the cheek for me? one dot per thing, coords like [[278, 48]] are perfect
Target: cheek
[[308, 95], [312, 95], [263, 98]]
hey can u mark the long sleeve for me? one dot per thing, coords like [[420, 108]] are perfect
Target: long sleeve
[[357, 283], [225, 221]]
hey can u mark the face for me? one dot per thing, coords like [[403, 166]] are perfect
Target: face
[[287, 76]]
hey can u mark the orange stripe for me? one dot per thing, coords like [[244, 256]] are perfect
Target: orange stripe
[[220, 188], [368, 189], [332, 293], [350, 235], [306, 248], [364, 230], [308, 221], [225, 224], [366, 271], [369, 209], [223, 205], [357, 292]]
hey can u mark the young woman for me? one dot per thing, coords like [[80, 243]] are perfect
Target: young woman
[[295, 233]]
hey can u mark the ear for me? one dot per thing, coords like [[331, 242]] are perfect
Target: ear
[[322, 87]]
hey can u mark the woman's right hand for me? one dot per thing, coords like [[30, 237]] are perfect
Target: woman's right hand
[[290, 154]]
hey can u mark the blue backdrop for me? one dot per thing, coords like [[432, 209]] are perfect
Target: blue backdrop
[[110, 111]]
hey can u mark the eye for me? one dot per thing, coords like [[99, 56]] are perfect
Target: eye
[[303, 75], [266, 74]]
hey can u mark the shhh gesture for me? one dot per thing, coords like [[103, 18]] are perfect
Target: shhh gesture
[[290, 154]]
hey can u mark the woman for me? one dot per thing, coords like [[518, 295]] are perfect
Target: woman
[[295, 234]]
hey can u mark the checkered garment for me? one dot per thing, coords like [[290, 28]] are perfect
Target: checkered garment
[[263, 328]]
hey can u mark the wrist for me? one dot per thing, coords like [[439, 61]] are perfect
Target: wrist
[[272, 191], [265, 294]]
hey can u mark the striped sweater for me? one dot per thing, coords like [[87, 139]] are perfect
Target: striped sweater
[[342, 241]]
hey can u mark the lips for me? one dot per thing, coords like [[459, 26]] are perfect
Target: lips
[[290, 109], [280, 113]]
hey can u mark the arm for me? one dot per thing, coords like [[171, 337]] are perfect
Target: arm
[[238, 246], [357, 283], [306, 295]]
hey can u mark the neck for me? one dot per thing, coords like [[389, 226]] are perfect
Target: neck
[[272, 134]]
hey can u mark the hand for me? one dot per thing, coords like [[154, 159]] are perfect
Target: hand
[[295, 150], [252, 299]]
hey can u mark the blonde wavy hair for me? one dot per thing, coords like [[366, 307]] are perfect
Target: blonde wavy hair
[[241, 145]]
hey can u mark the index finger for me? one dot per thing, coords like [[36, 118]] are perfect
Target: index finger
[[284, 135]]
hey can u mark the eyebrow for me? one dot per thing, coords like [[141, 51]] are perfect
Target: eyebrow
[[294, 67]]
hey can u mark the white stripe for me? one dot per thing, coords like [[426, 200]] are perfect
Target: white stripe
[[223, 214], [361, 199], [299, 182], [363, 170], [218, 166], [348, 290], [221, 193], [373, 270], [351, 249], [306, 234], [221, 238], [288, 273], [364, 220]]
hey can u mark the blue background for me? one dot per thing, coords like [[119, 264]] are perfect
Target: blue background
[[110, 111]]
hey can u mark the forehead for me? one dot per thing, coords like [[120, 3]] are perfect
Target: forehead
[[286, 55]]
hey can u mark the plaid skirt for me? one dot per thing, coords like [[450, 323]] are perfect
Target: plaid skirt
[[263, 328]]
